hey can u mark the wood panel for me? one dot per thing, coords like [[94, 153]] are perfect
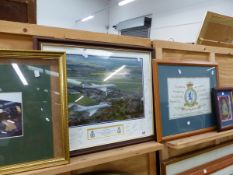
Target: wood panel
[[19, 36], [136, 166], [135, 160], [17, 42], [190, 47], [18, 10], [198, 139], [225, 69], [178, 55], [36, 30], [170, 153], [189, 149], [217, 30], [191, 52], [104, 157]]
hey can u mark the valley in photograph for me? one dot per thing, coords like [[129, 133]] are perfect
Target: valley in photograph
[[104, 89]]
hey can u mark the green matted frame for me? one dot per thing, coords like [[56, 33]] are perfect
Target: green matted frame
[[162, 115], [43, 110]]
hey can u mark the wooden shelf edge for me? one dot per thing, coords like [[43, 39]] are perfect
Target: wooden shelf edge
[[98, 158], [198, 139], [17, 28]]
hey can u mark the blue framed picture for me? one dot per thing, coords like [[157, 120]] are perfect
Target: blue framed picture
[[224, 108], [183, 102]]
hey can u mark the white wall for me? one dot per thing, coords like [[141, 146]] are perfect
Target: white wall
[[178, 20], [64, 13]]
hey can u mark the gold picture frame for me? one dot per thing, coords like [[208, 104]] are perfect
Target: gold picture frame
[[46, 130]]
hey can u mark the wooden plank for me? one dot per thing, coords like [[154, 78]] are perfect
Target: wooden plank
[[98, 158], [173, 51], [198, 139], [212, 57], [191, 47], [159, 53], [152, 164], [137, 165], [16, 42], [18, 10], [215, 43], [225, 70], [180, 55], [36, 30], [216, 30]]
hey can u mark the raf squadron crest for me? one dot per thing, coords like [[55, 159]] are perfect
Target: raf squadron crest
[[190, 96]]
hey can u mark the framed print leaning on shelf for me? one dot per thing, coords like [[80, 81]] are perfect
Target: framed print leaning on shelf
[[205, 161], [109, 94], [183, 98], [216, 167], [33, 110], [224, 170], [223, 108]]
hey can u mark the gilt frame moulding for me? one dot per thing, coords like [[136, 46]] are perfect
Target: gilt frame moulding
[[113, 53], [38, 87], [164, 81]]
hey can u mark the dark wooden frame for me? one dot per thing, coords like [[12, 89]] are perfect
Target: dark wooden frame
[[216, 107], [209, 166], [31, 9], [37, 40], [158, 121]]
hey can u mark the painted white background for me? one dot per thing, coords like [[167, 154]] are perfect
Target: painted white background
[[64, 13], [178, 20]]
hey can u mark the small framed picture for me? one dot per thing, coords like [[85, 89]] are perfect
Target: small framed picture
[[223, 108]]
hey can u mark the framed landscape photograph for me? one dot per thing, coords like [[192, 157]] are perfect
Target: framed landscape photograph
[[182, 93], [223, 108], [109, 94], [33, 111]]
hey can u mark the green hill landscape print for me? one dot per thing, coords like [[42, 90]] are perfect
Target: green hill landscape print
[[104, 89]]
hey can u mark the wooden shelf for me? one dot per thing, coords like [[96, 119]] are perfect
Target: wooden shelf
[[93, 159], [198, 139]]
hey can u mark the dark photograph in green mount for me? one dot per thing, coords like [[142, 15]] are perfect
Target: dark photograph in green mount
[[11, 119], [25, 114]]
